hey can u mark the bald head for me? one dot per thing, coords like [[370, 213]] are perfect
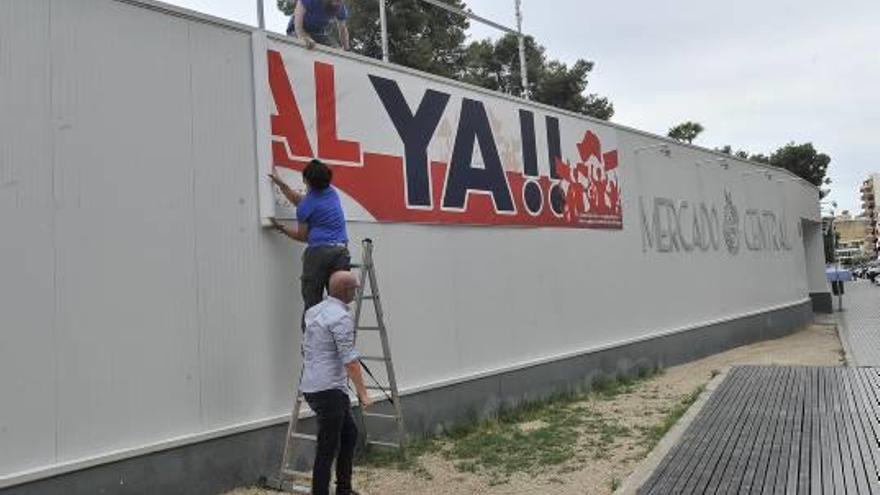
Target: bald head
[[343, 286]]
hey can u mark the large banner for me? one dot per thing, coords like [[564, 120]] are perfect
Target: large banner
[[406, 148]]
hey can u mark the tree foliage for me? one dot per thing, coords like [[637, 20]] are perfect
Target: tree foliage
[[728, 150], [803, 160], [430, 39], [743, 154], [495, 65], [830, 240], [420, 35], [686, 132]]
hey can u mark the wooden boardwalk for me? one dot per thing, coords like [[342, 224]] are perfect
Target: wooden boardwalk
[[780, 430]]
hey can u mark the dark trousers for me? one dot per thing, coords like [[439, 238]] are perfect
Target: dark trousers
[[319, 263], [337, 438]]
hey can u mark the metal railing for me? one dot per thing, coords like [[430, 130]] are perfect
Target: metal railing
[[383, 22]]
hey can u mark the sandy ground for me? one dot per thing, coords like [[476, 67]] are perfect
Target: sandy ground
[[592, 470]]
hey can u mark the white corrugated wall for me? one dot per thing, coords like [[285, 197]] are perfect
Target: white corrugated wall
[[142, 305]]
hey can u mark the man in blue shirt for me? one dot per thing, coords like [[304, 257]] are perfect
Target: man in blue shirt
[[320, 224], [311, 22]]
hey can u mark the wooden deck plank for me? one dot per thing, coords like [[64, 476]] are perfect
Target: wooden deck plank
[[701, 437], [777, 475], [814, 482], [858, 431], [842, 448], [755, 471], [729, 431], [779, 419], [727, 470], [798, 436], [781, 430], [777, 470], [773, 417], [867, 399], [827, 473], [666, 472]]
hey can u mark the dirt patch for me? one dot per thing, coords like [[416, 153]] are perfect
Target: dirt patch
[[581, 445], [531, 426]]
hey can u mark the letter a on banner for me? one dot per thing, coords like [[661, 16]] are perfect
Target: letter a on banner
[[474, 128]]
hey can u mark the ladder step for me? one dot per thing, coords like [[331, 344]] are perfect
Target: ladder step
[[371, 297], [370, 329], [303, 436], [380, 416], [389, 445], [287, 486], [375, 359], [376, 387], [291, 473]]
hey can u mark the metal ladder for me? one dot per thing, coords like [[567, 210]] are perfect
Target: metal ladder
[[289, 478]]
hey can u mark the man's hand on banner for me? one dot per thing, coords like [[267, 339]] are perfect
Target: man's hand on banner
[[294, 197]]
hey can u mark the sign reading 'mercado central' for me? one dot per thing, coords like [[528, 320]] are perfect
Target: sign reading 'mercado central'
[[405, 148]]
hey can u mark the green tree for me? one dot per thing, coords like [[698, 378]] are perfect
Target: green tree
[[686, 132], [760, 158], [728, 150], [495, 65], [801, 159], [804, 161], [831, 238]]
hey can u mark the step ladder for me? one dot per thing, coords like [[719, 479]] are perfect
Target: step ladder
[[290, 479]]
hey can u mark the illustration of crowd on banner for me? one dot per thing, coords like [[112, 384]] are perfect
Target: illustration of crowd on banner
[[410, 150]]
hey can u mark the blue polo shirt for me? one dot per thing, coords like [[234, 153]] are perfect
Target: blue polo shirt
[[317, 19], [322, 212]]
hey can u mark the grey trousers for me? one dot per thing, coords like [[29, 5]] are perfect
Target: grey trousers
[[319, 263]]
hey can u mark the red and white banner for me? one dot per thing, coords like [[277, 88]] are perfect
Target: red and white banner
[[410, 148]]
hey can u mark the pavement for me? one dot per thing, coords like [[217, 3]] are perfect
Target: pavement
[[859, 323]]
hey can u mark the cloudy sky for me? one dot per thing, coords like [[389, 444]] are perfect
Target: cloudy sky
[[755, 73]]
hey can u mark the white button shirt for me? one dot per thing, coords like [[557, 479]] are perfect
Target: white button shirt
[[328, 345]]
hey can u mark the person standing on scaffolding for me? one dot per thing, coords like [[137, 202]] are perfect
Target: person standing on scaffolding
[[321, 225], [311, 22]]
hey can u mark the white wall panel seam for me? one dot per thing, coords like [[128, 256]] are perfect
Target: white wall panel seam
[[195, 220], [55, 254]]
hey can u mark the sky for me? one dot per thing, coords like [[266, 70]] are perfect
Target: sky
[[756, 74]]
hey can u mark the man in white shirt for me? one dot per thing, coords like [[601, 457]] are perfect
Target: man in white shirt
[[329, 360]]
